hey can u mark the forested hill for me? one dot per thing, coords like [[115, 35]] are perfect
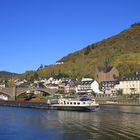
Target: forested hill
[[123, 51], [6, 75]]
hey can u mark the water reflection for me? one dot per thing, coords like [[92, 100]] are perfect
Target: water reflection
[[111, 122]]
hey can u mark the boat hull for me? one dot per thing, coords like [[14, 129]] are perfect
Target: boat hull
[[74, 108]]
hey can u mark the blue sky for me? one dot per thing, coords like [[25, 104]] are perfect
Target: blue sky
[[35, 32]]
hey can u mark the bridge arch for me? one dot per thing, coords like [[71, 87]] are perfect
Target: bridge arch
[[4, 96], [34, 91]]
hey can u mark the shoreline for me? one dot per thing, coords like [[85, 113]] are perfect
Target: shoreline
[[22, 104], [120, 104], [43, 105]]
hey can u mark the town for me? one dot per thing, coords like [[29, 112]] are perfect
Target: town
[[107, 86]]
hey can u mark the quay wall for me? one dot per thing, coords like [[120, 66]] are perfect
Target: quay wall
[[40, 105]]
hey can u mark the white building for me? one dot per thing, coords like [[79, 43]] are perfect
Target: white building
[[59, 63], [3, 97], [2, 85], [130, 84], [51, 80], [88, 86]]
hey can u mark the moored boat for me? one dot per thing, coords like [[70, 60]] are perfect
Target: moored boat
[[74, 104]]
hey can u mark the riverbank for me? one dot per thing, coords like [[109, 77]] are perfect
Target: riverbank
[[119, 102], [39, 105], [43, 105]]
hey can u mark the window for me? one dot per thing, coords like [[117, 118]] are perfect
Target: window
[[74, 103], [78, 103]]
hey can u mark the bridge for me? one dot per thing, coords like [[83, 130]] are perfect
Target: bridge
[[9, 93]]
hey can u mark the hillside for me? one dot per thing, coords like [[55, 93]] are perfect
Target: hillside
[[123, 51], [4, 75]]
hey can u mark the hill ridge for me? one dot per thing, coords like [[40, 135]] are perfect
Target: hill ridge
[[123, 51]]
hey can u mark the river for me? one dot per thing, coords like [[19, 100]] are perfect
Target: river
[[109, 123]]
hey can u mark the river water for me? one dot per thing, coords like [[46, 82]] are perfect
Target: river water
[[109, 123]]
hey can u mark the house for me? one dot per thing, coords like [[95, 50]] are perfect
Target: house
[[87, 86], [108, 86], [3, 84], [69, 88], [68, 85], [108, 73], [59, 63], [19, 82], [107, 77], [130, 84]]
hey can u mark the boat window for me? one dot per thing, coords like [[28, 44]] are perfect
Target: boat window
[[70, 102], [83, 102], [67, 102], [78, 103], [75, 103], [85, 99]]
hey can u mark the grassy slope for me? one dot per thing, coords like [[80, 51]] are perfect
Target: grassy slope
[[123, 51]]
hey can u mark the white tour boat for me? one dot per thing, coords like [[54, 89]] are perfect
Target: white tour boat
[[74, 104]]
